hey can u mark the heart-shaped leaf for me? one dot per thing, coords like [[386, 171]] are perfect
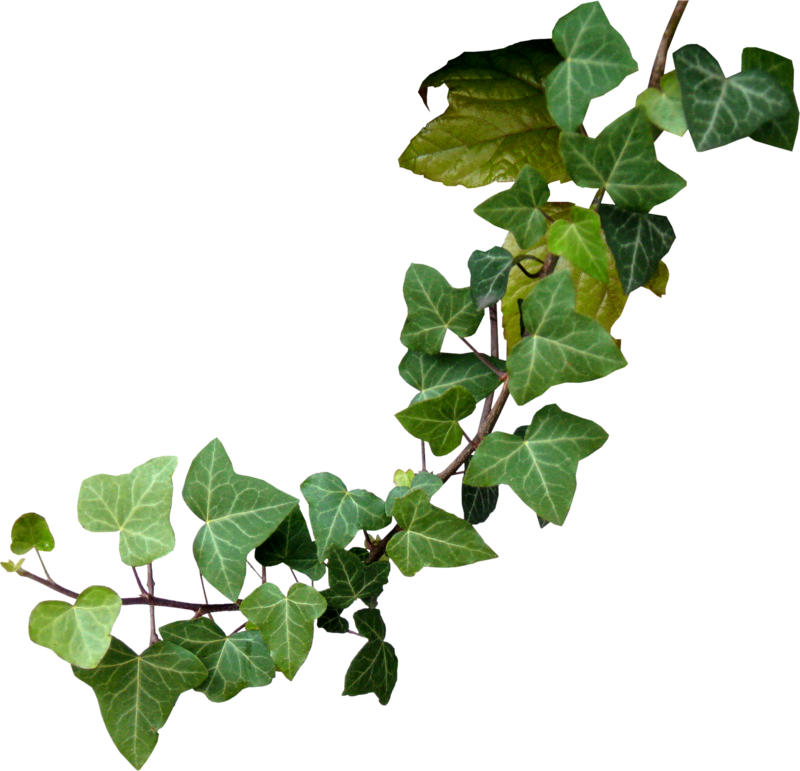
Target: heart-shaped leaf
[[436, 420], [664, 106], [30, 531], [579, 238], [720, 110], [79, 633]]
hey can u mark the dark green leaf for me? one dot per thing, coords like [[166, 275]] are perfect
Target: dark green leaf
[[779, 132], [331, 621], [350, 579], [373, 670], [433, 374], [478, 503], [436, 420], [664, 106], [579, 238], [489, 276], [369, 623], [291, 545], [30, 531]]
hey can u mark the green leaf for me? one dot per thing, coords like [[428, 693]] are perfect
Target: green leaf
[[433, 374], [478, 503], [779, 132], [12, 567], [332, 622], [564, 346], [79, 633], [424, 480], [291, 545], [431, 537], [404, 478], [489, 276], [373, 670], [350, 579], [664, 106], [239, 512], [436, 420], [541, 466], [233, 662], [623, 160], [337, 513], [638, 242], [433, 308], [720, 110], [287, 623], [30, 531], [519, 209], [579, 238], [369, 623], [596, 60], [496, 120], [136, 504], [137, 693]]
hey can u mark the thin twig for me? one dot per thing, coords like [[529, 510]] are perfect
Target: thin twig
[[502, 375], [424, 460], [357, 634], [238, 629], [666, 41], [253, 569], [263, 574], [530, 275], [41, 562], [296, 579], [494, 346], [466, 435], [151, 588], [139, 582], [205, 595]]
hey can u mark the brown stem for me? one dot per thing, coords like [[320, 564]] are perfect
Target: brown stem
[[41, 562], [151, 588], [203, 586], [502, 375], [424, 460], [494, 344], [661, 57], [379, 547], [549, 265], [139, 582]]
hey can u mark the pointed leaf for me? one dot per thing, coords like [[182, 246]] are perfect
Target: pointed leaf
[[136, 504], [333, 622], [563, 346], [12, 567], [350, 579], [623, 160], [720, 110], [369, 623], [478, 139], [596, 60], [433, 374], [436, 420], [664, 106], [373, 670], [286, 622], [489, 276], [233, 662], [518, 209], [431, 537], [638, 242], [291, 545], [239, 512], [30, 531], [433, 308], [424, 480], [579, 238], [541, 466], [478, 503], [782, 131], [137, 693]]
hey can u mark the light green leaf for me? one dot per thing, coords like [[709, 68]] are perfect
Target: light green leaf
[[563, 346], [30, 531], [291, 545], [489, 276], [373, 670], [79, 633], [478, 503], [436, 420], [12, 567], [720, 110], [424, 480], [369, 623], [433, 308], [287, 623], [350, 579], [337, 513], [623, 160], [433, 374], [332, 621], [233, 662], [136, 504], [782, 131], [579, 238], [239, 512], [541, 466], [596, 60], [496, 120], [431, 537], [664, 106], [404, 478], [518, 209], [638, 242], [137, 693]]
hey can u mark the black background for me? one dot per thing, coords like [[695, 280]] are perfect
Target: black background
[[211, 230]]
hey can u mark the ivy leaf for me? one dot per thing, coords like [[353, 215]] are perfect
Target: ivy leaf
[[489, 276], [239, 512], [332, 621], [12, 567], [30, 531], [623, 160], [579, 238], [664, 105], [436, 420], [233, 662], [541, 466], [720, 110], [350, 579], [136, 504], [424, 480], [137, 693], [564, 346], [369, 623], [519, 209], [478, 503], [291, 545], [433, 308], [779, 132], [638, 242], [479, 139], [433, 374], [373, 670], [404, 478], [79, 633], [596, 60], [337, 513], [286, 622], [431, 537]]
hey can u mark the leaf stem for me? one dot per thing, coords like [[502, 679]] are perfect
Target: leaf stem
[[669, 33], [41, 562], [205, 595], [139, 582], [151, 588], [502, 375], [252, 568], [424, 460]]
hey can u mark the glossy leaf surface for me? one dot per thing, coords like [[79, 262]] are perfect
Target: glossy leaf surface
[[31, 531], [489, 276], [782, 131], [291, 545], [436, 420], [579, 238], [433, 374], [478, 503], [350, 579]]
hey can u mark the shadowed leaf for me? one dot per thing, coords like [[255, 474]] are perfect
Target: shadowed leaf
[[291, 545], [350, 579], [779, 132], [436, 420]]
